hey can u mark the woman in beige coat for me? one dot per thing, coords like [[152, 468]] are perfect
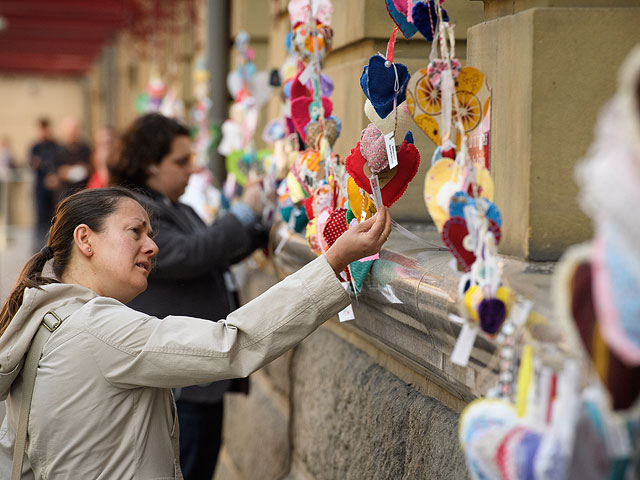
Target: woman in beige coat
[[102, 406]]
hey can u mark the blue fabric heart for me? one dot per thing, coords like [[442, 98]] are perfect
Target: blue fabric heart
[[407, 29], [409, 138], [378, 81], [425, 19]]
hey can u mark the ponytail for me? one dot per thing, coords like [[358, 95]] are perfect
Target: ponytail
[[30, 277]]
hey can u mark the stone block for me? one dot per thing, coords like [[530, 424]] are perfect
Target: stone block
[[256, 434], [353, 419], [546, 95]]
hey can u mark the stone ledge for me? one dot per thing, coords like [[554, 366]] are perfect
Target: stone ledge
[[407, 299]]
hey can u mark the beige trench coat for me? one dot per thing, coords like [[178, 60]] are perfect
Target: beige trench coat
[[102, 408]]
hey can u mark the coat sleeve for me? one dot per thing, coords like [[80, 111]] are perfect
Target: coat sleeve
[[185, 255], [134, 350]]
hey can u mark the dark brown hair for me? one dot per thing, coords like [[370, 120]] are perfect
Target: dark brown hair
[[145, 143], [89, 207]]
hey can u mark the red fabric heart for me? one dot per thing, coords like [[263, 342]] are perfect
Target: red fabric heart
[[300, 113], [408, 163], [335, 227], [453, 233], [308, 207]]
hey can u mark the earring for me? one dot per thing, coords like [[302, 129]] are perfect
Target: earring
[[90, 250]]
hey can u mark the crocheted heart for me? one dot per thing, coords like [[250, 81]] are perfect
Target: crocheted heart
[[453, 236], [393, 188], [358, 201], [373, 148], [425, 19], [300, 113], [359, 271], [401, 122], [407, 29], [378, 83]]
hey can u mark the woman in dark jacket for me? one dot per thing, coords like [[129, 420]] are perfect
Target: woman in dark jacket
[[191, 275]]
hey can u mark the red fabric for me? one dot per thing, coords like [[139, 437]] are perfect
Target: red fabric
[[453, 233], [408, 163]]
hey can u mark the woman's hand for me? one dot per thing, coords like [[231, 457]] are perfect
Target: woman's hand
[[361, 241]]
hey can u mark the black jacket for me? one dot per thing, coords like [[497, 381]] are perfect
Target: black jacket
[[188, 276]]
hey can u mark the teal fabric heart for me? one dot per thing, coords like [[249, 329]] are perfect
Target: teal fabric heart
[[407, 29], [359, 271]]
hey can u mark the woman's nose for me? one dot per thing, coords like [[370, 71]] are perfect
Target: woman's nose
[[151, 248]]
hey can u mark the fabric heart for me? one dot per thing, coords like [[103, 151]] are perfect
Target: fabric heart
[[359, 271], [308, 207], [438, 66], [315, 130], [373, 148], [402, 6], [300, 217], [455, 235], [359, 201], [312, 237], [378, 83], [425, 18], [407, 29], [402, 174], [461, 199], [335, 227], [300, 10], [401, 121], [300, 113]]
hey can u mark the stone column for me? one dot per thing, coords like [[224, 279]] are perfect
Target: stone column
[[552, 64]]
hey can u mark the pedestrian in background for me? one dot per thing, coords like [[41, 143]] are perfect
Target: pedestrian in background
[[191, 276], [42, 160], [72, 161], [103, 146]]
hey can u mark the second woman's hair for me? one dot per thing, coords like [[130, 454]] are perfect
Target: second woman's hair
[[89, 207], [145, 143]]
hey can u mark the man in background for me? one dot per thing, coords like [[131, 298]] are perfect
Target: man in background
[[42, 161]]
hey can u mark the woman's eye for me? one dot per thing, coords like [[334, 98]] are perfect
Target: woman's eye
[[136, 230]]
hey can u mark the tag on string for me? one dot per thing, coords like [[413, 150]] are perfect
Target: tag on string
[[284, 232], [617, 435], [520, 312], [392, 154], [375, 189], [305, 76], [346, 314], [315, 4], [464, 345]]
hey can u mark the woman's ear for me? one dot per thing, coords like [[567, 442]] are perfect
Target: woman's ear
[[82, 239], [153, 169]]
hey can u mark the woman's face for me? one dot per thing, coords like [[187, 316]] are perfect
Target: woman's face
[[122, 253], [171, 176]]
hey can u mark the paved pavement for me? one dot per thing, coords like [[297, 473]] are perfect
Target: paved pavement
[[14, 252]]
